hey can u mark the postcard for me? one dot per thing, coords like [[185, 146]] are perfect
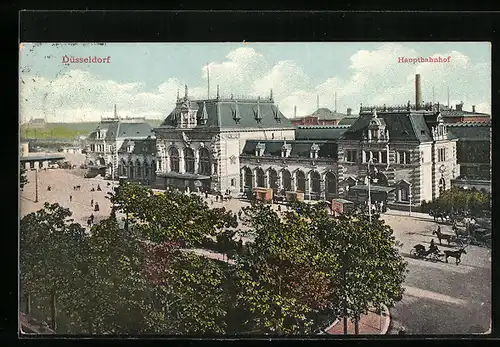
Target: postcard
[[255, 189]]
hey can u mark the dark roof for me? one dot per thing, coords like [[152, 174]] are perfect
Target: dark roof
[[300, 148], [401, 126], [139, 146], [221, 113], [41, 157], [458, 113], [470, 131], [123, 128], [347, 121], [320, 132], [326, 114]]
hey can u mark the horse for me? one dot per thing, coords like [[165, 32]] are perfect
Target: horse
[[454, 254], [442, 236], [436, 215]]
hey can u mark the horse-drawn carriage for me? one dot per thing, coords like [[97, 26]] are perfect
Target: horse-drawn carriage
[[433, 254]]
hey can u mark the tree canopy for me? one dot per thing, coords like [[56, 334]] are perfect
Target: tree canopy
[[302, 264]]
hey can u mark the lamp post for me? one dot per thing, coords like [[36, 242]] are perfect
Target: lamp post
[[410, 196], [36, 184], [369, 178]]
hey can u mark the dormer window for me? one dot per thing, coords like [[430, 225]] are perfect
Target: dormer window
[[260, 149], [204, 115], [286, 149], [257, 114], [314, 151], [277, 115], [236, 113]]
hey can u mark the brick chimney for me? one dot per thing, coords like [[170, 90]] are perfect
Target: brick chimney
[[418, 92], [473, 108], [349, 110], [459, 106]]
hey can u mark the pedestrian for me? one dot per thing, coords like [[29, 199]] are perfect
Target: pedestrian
[[98, 188], [92, 218], [239, 214], [96, 207], [216, 197], [279, 208], [438, 229], [432, 244], [211, 201], [70, 198], [92, 203], [206, 194]]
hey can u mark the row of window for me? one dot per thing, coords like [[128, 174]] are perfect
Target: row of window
[[402, 157], [204, 162], [98, 148]]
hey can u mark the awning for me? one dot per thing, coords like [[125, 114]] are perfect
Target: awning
[[187, 176], [373, 188]]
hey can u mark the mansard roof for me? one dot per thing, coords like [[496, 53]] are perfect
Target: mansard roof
[[300, 148], [147, 146], [402, 125], [470, 131], [347, 121], [123, 128], [320, 132], [253, 113]]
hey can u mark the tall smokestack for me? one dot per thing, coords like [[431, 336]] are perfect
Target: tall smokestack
[[418, 92], [317, 102], [295, 112]]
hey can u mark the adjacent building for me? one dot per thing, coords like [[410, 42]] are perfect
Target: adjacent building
[[200, 142], [322, 116], [459, 115], [122, 146], [473, 149], [409, 152]]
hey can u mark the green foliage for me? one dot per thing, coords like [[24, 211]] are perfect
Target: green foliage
[[59, 132], [171, 216], [461, 201]]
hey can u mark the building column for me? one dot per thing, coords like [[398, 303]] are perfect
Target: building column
[[363, 156], [307, 189], [181, 162], [322, 190]]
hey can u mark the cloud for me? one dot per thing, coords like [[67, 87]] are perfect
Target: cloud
[[374, 77]]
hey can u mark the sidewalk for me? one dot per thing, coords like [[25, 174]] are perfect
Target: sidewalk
[[369, 324]]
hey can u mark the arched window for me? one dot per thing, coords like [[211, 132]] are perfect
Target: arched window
[[173, 153], [205, 167], [300, 181], [286, 178], [247, 178], [138, 168], [273, 179], [261, 182], [188, 160], [123, 168], [131, 169], [315, 182], [442, 185], [331, 183]]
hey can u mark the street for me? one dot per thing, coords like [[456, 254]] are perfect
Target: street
[[440, 298]]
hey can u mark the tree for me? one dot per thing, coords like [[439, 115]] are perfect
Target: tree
[[50, 255], [171, 216], [23, 180], [188, 291], [349, 264], [268, 276]]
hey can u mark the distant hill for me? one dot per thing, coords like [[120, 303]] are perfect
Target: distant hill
[[65, 130]]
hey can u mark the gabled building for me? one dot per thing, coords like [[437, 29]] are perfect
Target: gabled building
[[412, 156], [104, 152], [200, 141]]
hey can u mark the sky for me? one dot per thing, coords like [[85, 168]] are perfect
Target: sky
[[142, 79]]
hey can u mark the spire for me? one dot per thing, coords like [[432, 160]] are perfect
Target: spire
[[271, 95], [204, 114], [218, 92], [185, 91], [208, 82]]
